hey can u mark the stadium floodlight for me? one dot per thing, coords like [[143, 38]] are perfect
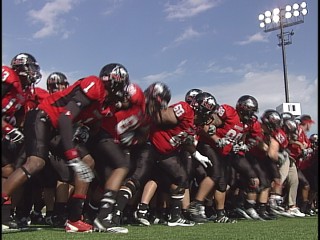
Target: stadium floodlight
[[280, 18]]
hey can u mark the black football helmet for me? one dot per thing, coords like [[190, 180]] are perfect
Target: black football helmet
[[291, 128], [115, 78], [246, 107], [191, 94], [204, 105], [158, 96], [55, 80], [286, 116], [272, 119], [27, 67]]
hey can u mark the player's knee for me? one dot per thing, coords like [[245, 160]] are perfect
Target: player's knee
[[177, 193]]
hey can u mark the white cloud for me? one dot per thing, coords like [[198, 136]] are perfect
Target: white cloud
[[188, 8], [258, 37], [51, 17], [113, 5], [188, 34], [165, 76]]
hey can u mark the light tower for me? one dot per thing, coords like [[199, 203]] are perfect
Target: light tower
[[278, 19]]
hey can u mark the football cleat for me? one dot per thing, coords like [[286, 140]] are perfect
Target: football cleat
[[78, 226], [242, 213], [142, 215], [222, 218], [196, 212], [37, 218], [253, 214], [180, 221], [107, 226]]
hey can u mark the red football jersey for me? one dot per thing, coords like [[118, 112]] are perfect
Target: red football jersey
[[280, 136], [14, 99], [232, 128], [168, 139], [118, 122], [33, 96], [91, 86], [253, 132], [295, 150]]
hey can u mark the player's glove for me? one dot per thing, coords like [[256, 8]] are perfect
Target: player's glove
[[222, 142], [240, 147], [81, 135], [128, 139], [212, 130], [282, 158], [14, 135], [205, 161], [82, 170], [306, 152]]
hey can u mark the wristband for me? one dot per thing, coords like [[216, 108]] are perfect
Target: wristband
[[71, 154], [7, 128]]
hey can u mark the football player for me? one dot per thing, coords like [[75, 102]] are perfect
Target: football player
[[79, 103]]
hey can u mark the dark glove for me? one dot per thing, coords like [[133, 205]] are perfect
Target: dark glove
[[14, 136], [128, 139], [222, 142], [81, 134]]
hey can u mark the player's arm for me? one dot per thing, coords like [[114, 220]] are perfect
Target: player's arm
[[5, 88], [65, 121], [166, 116]]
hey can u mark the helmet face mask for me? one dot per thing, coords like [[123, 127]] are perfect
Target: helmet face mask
[[190, 95], [291, 129], [57, 81], [204, 105], [115, 78], [26, 66], [157, 97], [247, 107], [272, 119]]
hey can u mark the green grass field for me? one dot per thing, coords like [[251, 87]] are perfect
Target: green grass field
[[282, 228]]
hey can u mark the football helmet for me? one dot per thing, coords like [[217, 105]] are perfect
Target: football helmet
[[291, 128], [115, 78], [158, 96], [286, 116], [56, 81], [27, 67], [272, 119], [204, 105], [191, 94], [246, 107]]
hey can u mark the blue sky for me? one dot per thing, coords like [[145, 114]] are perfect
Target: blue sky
[[214, 45]]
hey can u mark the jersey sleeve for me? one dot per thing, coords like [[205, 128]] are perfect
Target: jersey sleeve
[[93, 88], [10, 77]]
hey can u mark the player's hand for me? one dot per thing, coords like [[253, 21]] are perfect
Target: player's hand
[[83, 171], [205, 161], [240, 147], [15, 136], [81, 135], [306, 152], [282, 157], [222, 142], [212, 130]]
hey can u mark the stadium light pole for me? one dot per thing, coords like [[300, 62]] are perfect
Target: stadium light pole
[[280, 18]]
